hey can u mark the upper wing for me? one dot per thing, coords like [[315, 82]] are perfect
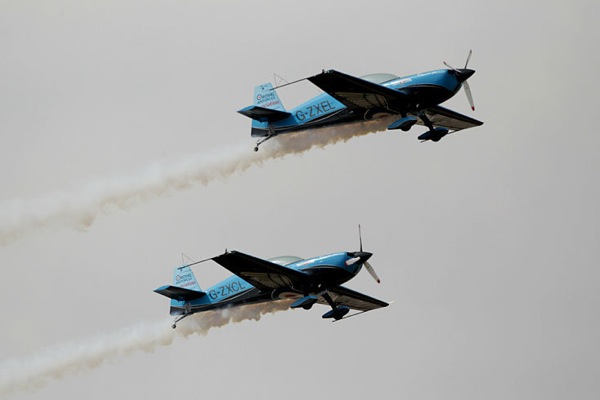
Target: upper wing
[[354, 300], [440, 116], [354, 92], [260, 273]]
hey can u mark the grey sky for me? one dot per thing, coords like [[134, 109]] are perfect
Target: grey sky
[[487, 241]]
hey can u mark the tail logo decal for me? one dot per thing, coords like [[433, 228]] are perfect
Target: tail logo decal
[[268, 100], [185, 280], [266, 97]]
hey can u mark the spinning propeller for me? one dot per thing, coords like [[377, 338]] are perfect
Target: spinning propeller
[[462, 75], [363, 256]]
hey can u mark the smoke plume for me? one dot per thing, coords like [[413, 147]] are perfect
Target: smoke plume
[[57, 363], [80, 209]]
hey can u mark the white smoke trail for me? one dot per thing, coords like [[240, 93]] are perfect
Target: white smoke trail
[[34, 373], [80, 209]]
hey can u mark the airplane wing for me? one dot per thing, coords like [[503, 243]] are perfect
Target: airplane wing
[[440, 116], [354, 300], [355, 92], [260, 273]]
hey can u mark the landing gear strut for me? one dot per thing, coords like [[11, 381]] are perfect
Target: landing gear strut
[[264, 139], [259, 142], [178, 319], [305, 302], [433, 134], [336, 312], [187, 312]]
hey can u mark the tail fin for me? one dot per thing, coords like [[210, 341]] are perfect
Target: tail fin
[[266, 97], [185, 286], [267, 105], [183, 277]]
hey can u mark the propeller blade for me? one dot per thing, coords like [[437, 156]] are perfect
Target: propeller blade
[[469, 95], [468, 58], [450, 66], [372, 271], [363, 256], [463, 75], [360, 237]]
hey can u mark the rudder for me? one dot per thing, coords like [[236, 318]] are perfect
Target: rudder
[[266, 97], [185, 288], [184, 277], [267, 108]]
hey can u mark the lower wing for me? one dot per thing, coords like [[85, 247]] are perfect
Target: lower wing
[[343, 296], [443, 117]]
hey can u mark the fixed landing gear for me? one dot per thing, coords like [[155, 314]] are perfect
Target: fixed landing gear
[[434, 133], [187, 312], [262, 140], [178, 319], [404, 123], [305, 302], [336, 312]]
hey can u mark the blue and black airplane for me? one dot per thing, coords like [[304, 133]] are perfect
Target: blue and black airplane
[[348, 99], [306, 281]]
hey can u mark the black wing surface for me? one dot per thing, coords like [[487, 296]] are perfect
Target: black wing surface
[[440, 116], [262, 274], [343, 296], [355, 92]]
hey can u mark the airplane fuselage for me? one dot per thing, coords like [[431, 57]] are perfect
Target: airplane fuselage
[[328, 271], [424, 90]]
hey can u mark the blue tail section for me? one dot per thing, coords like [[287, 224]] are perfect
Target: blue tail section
[[267, 106], [184, 277], [185, 287], [266, 97]]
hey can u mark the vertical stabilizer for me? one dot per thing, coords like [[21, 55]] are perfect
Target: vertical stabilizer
[[265, 96], [183, 277]]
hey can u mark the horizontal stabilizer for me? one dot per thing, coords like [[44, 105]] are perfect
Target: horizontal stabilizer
[[179, 293], [264, 114]]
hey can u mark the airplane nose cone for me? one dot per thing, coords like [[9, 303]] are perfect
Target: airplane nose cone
[[464, 74]]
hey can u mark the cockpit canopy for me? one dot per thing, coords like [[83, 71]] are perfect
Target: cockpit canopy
[[379, 78], [285, 260]]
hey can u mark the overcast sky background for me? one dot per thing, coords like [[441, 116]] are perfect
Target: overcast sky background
[[487, 241]]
